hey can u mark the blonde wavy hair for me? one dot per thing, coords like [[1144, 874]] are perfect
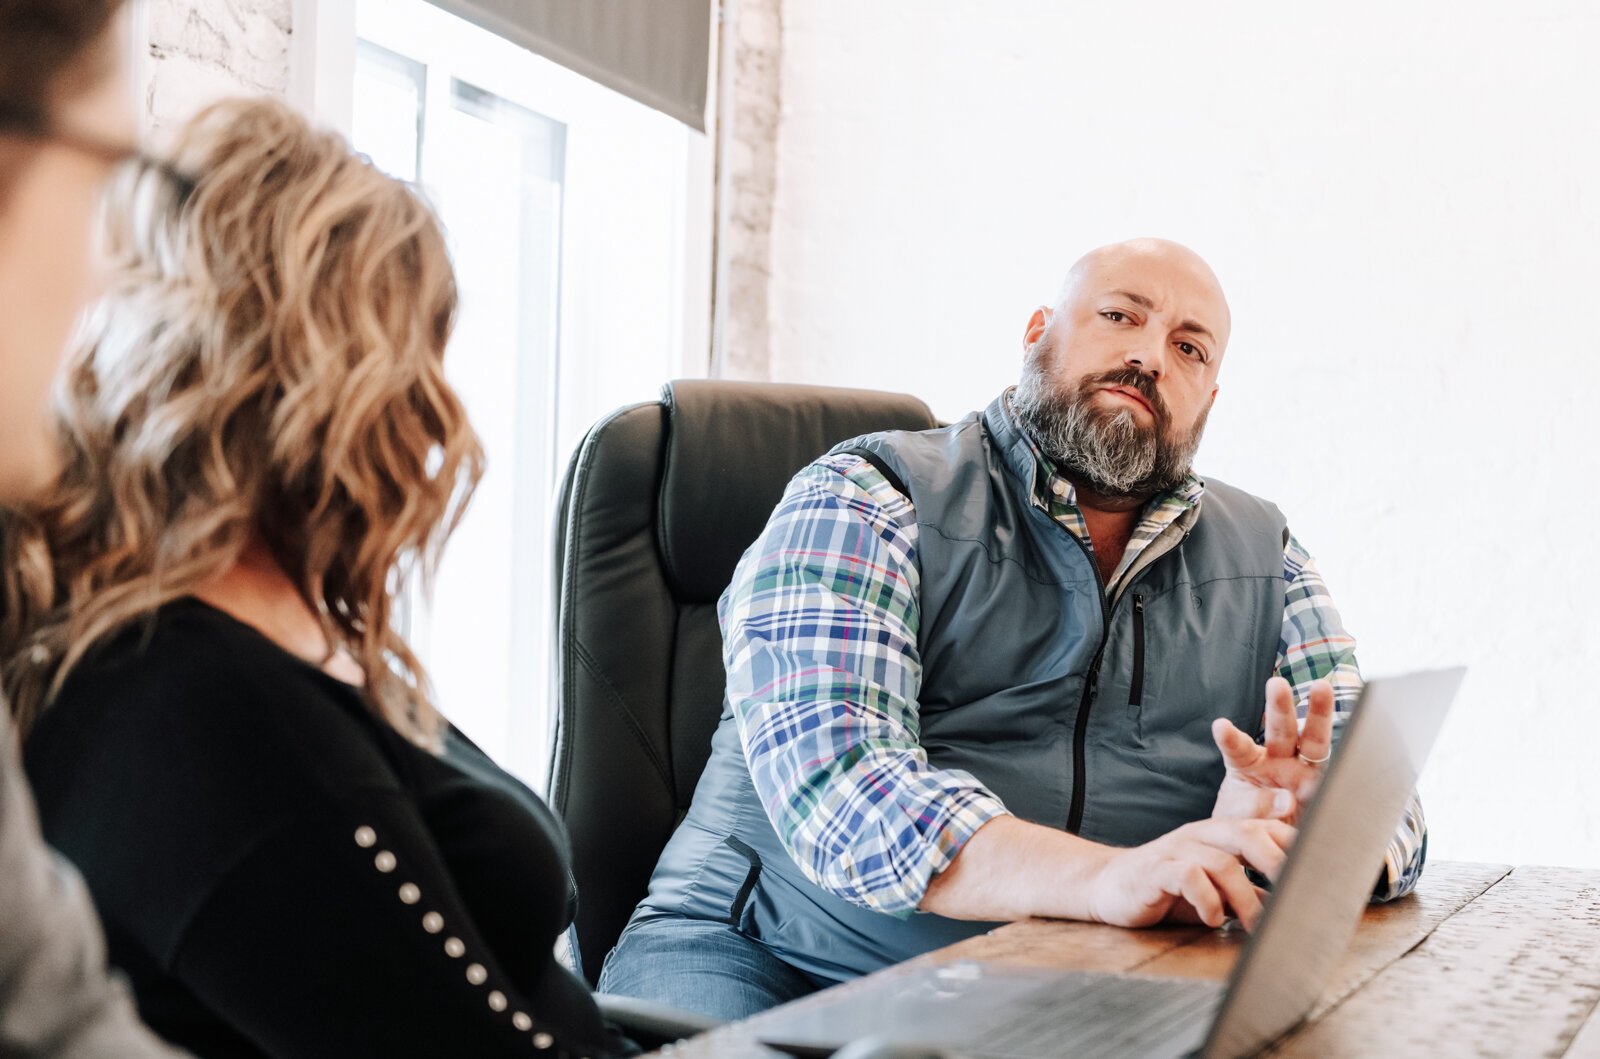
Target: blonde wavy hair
[[267, 364]]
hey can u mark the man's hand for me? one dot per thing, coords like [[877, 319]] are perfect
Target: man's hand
[[1193, 873], [1276, 779]]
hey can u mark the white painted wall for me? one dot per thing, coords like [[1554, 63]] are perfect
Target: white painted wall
[[1403, 201]]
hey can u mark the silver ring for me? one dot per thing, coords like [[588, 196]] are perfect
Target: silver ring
[[1323, 760]]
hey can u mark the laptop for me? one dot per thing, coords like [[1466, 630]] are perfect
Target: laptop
[[972, 1010]]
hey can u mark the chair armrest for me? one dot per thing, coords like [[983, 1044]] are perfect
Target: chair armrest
[[651, 1025]]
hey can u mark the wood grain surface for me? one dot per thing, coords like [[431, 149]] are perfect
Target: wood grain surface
[[1480, 960], [1514, 973]]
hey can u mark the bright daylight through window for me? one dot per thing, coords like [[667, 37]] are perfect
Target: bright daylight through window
[[579, 226]]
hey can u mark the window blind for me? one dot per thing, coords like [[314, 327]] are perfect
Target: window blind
[[655, 51]]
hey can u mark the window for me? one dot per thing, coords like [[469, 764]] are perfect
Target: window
[[579, 223]]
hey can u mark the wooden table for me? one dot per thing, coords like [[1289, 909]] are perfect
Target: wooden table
[[1482, 960]]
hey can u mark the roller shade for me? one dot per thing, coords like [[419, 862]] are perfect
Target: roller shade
[[656, 51]]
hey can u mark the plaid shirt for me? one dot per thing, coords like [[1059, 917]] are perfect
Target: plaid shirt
[[820, 642]]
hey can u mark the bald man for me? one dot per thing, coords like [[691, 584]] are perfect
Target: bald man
[[1011, 667]]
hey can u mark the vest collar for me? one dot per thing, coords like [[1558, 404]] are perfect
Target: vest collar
[[1016, 449]]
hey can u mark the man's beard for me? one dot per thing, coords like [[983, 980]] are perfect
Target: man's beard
[[1105, 451]]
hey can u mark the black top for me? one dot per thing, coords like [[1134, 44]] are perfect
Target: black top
[[282, 874]]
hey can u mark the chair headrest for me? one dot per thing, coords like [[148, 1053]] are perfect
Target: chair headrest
[[731, 449]]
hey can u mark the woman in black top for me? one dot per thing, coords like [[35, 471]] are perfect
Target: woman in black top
[[295, 855], [282, 873]]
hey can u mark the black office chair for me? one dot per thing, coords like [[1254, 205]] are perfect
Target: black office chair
[[658, 504]]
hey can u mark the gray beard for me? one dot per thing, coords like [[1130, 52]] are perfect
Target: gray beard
[[1108, 453]]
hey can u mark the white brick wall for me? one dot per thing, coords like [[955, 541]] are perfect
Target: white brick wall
[[752, 163], [201, 50]]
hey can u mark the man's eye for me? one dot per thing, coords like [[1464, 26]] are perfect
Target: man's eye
[[1114, 316], [1189, 349]]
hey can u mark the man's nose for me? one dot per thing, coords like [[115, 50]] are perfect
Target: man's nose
[[1150, 358]]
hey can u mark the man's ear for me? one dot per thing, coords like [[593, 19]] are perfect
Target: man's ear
[[1037, 323], [1213, 400]]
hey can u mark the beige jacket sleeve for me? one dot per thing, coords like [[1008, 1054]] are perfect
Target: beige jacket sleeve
[[56, 997]]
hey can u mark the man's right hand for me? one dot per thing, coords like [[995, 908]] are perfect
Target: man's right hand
[[1195, 873]]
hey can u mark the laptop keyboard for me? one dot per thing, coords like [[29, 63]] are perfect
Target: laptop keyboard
[[966, 1010], [1095, 1015]]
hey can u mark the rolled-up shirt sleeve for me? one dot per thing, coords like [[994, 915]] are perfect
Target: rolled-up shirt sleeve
[[1315, 646], [820, 642]]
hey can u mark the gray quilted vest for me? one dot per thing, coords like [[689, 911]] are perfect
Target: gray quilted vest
[[1079, 712]]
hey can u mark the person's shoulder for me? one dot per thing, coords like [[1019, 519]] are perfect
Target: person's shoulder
[[938, 442], [179, 660], [1240, 503], [194, 689], [903, 459], [180, 746], [1240, 523]]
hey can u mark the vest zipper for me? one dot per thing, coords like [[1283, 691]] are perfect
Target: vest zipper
[[1080, 731], [1136, 689]]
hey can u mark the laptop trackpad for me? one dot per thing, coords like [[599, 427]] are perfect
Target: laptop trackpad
[[972, 1010]]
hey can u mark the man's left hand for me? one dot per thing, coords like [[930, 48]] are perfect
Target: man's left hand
[[1277, 778]]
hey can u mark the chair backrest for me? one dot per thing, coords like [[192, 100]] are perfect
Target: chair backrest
[[658, 504]]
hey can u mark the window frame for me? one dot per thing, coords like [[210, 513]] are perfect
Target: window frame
[[323, 64]]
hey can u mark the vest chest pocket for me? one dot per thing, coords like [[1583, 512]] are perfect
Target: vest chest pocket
[[1189, 662], [1148, 663], [1136, 685]]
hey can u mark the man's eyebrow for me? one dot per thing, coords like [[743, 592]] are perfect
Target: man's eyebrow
[[1145, 303], [1138, 299]]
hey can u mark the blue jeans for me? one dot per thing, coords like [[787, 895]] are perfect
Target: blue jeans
[[703, 966]]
